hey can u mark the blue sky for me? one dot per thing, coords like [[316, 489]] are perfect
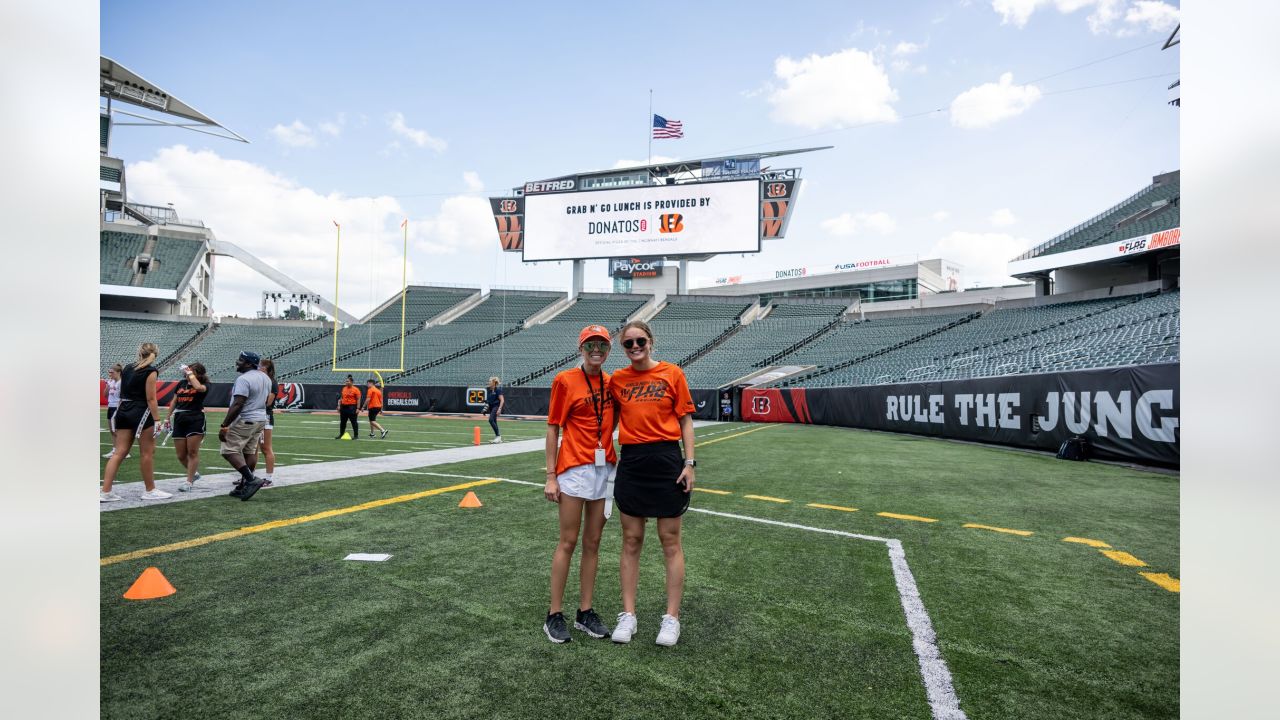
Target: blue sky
[[371, 113]]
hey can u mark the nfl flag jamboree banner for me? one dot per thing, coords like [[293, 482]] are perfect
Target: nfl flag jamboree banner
[[665, 220], [1128, 413]]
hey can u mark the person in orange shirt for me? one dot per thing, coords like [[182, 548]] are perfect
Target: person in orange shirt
[[655, 412], [580, 471], [348, 409], [373, 403]]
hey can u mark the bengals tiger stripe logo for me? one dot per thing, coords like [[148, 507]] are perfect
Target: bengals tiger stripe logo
[[671, 223]]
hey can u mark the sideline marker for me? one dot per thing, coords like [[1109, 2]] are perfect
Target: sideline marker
[[475, 435], [345, 436], [470, 500], [150, 584]]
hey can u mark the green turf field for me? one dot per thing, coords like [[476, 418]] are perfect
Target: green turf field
[[778, 622]]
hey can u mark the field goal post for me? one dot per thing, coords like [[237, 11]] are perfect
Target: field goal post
[[404, 287]]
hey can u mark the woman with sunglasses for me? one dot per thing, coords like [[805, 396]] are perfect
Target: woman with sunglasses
[[654, 479], [579, 472]]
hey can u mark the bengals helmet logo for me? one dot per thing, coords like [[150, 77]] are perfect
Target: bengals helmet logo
[[508, 206], [290, 396], [672, 223], [760, 405], [776, 190]]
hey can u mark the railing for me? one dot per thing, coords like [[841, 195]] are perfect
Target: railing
[[1063, 236]]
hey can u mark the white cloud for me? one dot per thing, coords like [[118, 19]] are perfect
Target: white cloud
[[296, 134], [907, 66], [1138, 15], [907, 48], [464, 223], [846, 88], [639, 163], [940, 215], [472, 180], [420, 138], [1002, 217], [989, 103], [985, 256], [284, 224], [847, 224]]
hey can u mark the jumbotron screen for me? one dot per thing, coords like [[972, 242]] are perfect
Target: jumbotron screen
[[667, 220]]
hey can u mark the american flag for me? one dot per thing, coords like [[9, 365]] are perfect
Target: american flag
[[664, 128]]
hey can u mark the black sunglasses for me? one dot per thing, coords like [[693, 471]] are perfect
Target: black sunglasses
[[635, 342]]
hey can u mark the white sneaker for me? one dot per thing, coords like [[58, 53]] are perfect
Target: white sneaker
[[109, 454], [496, 440], [108, 497], [625, 628], [185, 486], [669, 633], [156, 494]]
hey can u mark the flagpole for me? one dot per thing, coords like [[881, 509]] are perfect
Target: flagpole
[[650, 160]]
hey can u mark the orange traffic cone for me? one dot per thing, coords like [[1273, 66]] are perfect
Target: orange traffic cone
[[475, 436], [470, 501], [150, 584]]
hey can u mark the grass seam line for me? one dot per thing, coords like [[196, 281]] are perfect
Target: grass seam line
[[713, 492], [992, 528], [898, 516], [287, 522]]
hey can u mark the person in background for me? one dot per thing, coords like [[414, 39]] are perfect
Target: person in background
[[268, 453], [654, 480], [244, 422], [349, 409], [579, 471], [186, 420], [373, 403], [113, 404], [136, 417], [494, 401]]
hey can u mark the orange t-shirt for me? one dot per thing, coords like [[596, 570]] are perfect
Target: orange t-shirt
[[375, 399], [651, 403], [350, 395], [573, 411]]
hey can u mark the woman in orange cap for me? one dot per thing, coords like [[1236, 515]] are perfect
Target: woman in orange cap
[[580, 472]]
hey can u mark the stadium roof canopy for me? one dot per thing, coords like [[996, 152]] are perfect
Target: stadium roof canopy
[[676, 167], [120, 84]]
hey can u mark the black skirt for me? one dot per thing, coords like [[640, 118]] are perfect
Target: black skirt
[[646, 482]]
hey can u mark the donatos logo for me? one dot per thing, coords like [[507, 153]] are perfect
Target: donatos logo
[[475, 396], [760, 405], [672, 223]]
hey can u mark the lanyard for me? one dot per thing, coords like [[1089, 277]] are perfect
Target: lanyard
[[597, 405]]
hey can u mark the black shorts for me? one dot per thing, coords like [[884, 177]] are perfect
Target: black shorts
[[134, 415], [373, 413], [186, 424], [111, 418], [646, 482]]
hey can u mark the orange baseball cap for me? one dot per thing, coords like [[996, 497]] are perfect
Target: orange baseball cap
[[593, 331]]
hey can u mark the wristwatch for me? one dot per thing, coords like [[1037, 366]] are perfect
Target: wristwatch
[[690, 462]]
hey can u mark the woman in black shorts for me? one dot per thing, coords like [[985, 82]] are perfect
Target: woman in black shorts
[[655, 411], [136, 418], [186, 420], [264, 445]]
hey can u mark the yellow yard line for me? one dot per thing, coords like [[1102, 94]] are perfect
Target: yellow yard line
[[917, 518], [1023, 533], [196, 542], [735, 435], [1163, 580], [832, 507], [766, 498], [1086, 541], [1123, 558], [713, 492]]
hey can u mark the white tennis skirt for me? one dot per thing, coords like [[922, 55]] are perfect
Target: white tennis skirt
[[588, 481]]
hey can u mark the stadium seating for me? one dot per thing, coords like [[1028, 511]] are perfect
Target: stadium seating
[[218, 350], [421, 304], [119, 338], [170, 260], [1106, 228], [743, 352], [116, 252]]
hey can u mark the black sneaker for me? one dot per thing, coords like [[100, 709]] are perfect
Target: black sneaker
[[250, 488], [239, 488], [384, 434], [589, 622], [556, 629]]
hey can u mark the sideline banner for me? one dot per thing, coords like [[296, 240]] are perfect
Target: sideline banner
[[1128, 413]]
